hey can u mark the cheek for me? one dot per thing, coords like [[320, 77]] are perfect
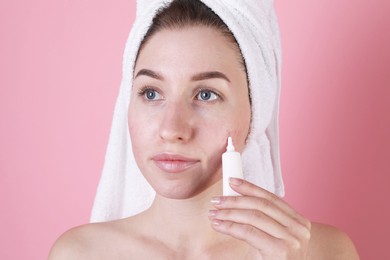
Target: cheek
[[140, 120], [241, 126], [133, 125], [215, 131], [140, 131], [234, 122]]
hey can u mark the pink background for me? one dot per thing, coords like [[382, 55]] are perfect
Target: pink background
[[60, 64]]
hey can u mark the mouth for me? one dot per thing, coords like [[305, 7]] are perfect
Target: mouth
[[173, 163]]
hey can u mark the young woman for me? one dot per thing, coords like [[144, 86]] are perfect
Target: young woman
[[193, 82]]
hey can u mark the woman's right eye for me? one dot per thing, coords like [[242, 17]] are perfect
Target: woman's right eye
[[150, 94]]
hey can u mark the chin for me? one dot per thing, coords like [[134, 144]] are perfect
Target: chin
[[181, 191], [177, 191]]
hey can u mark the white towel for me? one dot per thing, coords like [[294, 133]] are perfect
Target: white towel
[[122, 190]]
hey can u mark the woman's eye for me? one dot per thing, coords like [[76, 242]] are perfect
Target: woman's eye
[[207, 95], [150, 94]]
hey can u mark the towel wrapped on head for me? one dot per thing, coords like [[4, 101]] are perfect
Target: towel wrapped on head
[[122, 190]]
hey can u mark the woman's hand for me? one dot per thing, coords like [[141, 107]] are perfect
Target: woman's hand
[[263, 220]]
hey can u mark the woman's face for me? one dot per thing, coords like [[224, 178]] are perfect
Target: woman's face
[[189, 94]]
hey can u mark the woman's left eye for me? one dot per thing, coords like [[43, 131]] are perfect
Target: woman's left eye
[[207, 95]]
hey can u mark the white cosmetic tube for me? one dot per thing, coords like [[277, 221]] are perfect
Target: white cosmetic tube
[[231, 167]]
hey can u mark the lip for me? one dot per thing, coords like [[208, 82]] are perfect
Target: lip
[[173, 163]]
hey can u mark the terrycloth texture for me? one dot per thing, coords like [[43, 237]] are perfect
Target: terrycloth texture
[[122, 190]]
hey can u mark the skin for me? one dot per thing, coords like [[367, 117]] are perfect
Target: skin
[[179, 108]]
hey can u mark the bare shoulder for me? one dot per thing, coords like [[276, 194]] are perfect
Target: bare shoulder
[[76, 242], [71, 244], [328, 242], [90, 241]]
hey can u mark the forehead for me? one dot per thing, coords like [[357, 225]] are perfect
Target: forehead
[[195, 47]]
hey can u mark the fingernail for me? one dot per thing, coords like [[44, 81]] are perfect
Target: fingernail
[[216, 222], [235, 181], [212, 213], [216, 200]]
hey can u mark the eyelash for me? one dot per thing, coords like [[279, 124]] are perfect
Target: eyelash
[[143, 90]]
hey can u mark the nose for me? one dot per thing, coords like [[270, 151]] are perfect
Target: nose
[[175, 124]]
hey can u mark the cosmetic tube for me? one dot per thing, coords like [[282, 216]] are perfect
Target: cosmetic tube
[[231, 167]]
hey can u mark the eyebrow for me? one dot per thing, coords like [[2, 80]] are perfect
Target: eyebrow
[[210, 75], [196, 77], [149, 73]]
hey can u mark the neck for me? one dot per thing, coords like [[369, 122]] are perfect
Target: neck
[[184, 224]]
